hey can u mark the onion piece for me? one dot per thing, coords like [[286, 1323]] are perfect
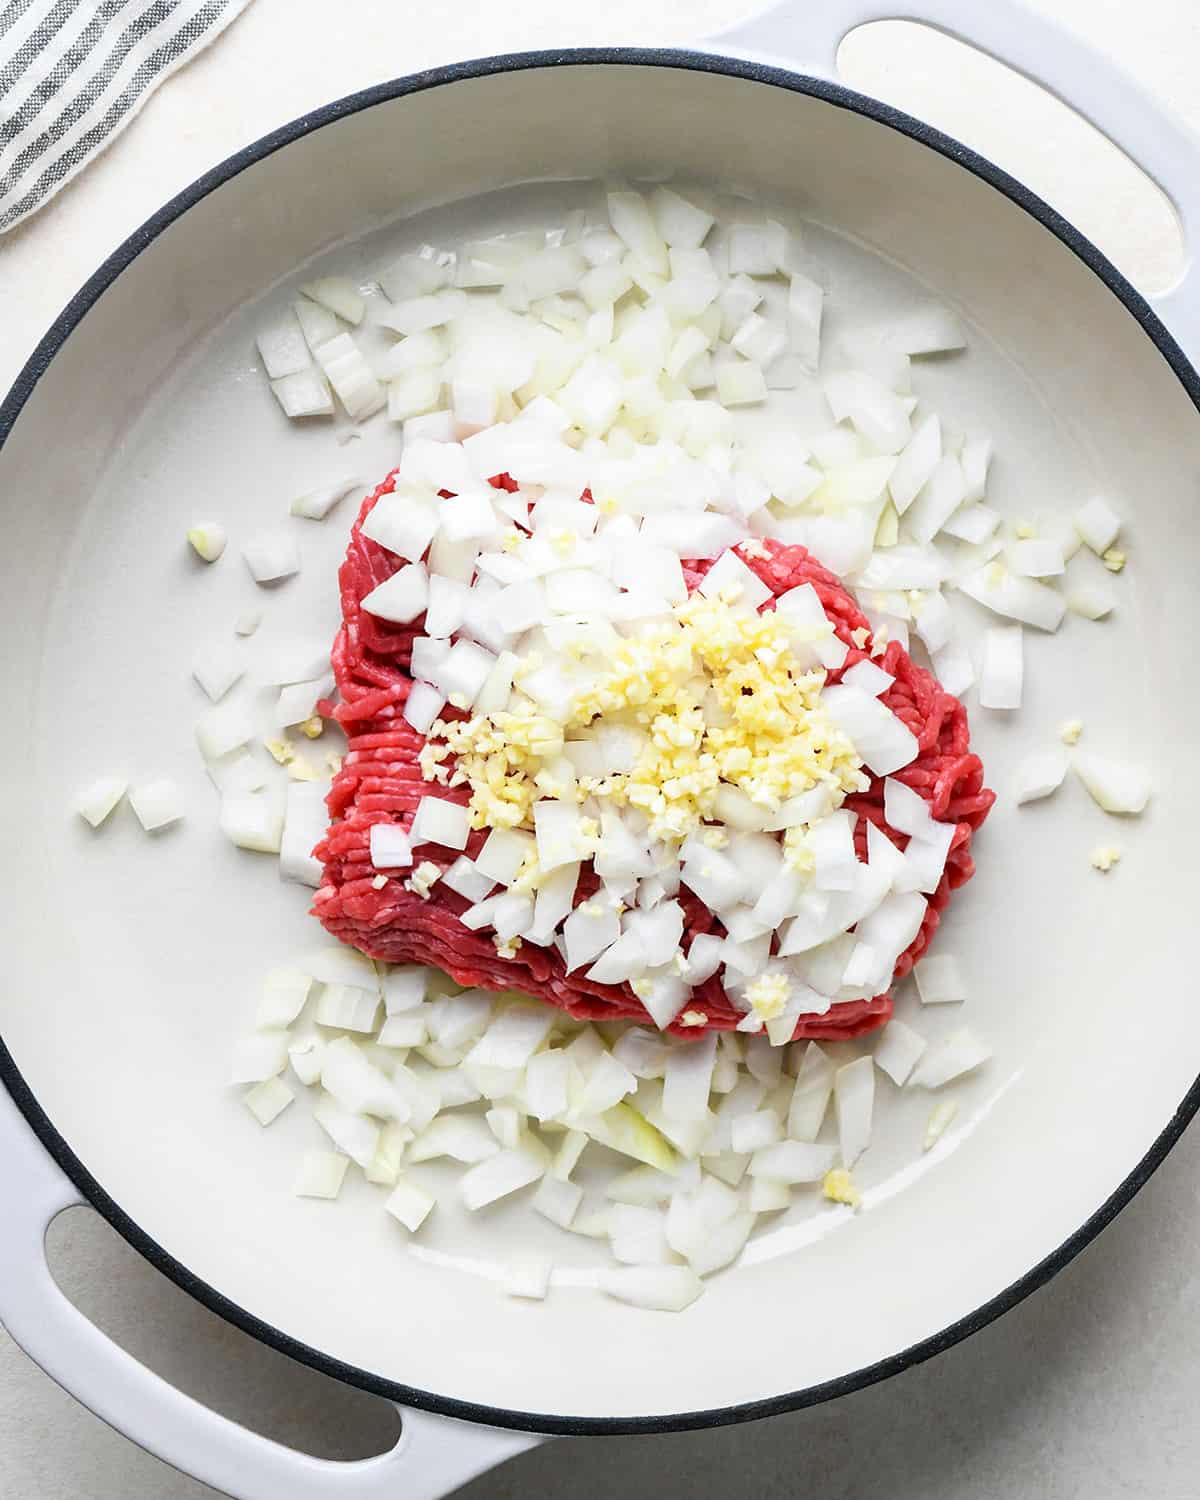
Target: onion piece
[[282, 347], [1093, 601], [810, 1097], [506, 1172], [513, 1036], [417, 273], [916, 463], [687, 1079], [805, 303], [463, 1138], [352, 1133], [271, 556], [1112, 785], [404, 987], [1037, 557], [317, 504], [252, 821], [266, 1101], [960, 1053], [876, 412], [156, 804], [660, 1288], [1039, 775], [207, 539], [402, 597], [972, 523], [351, 377], [317, 324], [928, 330], [632, 220], [413, 315], [1022, 599], [953, 669], [793, 1161], [305, 822], [976, 457], [339, 295], [1098, 524], [1000, 678], [303, 394], [297, 701], [321, 1174], [347, 1006], [939, 980], [557, 1200], [216, 667], [259, 1057], [638, 1235], [295, 661], [439, 821], [97, 800], [898, 1050], [854, 1100], [883, 742], [410, 1205], [937, 501]]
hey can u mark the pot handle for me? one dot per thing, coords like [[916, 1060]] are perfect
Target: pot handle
[[805, 37], [434, 1455]]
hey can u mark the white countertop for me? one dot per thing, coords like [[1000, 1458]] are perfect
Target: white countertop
[[1088, 1389]]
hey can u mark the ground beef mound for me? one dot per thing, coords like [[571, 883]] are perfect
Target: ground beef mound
[[381, 781]]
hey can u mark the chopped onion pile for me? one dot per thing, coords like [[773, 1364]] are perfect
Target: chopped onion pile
[[405, 1069]]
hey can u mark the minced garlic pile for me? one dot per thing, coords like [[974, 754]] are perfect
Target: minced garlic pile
[[712, 698]]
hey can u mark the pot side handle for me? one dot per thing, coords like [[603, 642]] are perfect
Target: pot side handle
[[804, 36], [434, 1455]]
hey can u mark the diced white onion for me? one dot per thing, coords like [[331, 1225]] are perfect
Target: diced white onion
[[940, 980], [661, 1288], [1001, 675], [1036, 557], [97, 800], [1113, 785], [156, 804], [1039, 775], [207, 539], [506, 1172], [854, 1101], [1098, 524], [271, 556], [1022, 599], [793, 1161], [305, 822], [960, 1053], [402, 597], [898, 1050]]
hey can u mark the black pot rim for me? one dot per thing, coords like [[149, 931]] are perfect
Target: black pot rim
[[841, 98]]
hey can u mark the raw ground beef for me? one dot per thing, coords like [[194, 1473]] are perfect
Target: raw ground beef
[[381, 781]]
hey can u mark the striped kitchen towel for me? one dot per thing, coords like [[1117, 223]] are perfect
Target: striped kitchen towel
[[73, 73]]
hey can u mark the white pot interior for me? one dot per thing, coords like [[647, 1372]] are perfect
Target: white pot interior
[[132, 964]]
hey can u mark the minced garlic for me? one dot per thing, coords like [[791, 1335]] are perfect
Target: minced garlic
[[714, 696], [768, 995], [1104, 857], [838, 1186]]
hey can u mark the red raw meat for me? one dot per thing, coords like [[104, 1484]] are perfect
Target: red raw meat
[[381, 782]]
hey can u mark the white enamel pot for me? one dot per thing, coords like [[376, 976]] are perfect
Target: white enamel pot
[[128, 965]]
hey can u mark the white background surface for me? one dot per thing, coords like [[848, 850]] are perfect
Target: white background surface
[[1090, 1387]]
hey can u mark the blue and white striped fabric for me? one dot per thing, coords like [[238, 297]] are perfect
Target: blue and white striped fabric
[[73, 73]]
